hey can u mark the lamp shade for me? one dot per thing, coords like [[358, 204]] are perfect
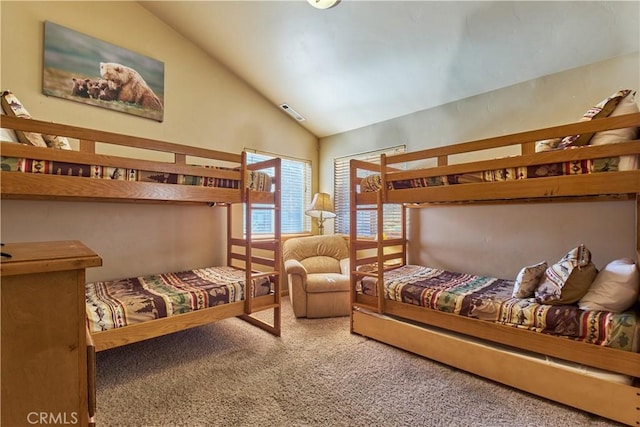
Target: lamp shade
[[321, 207]]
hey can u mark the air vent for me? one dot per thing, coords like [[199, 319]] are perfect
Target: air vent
[[290, 111]]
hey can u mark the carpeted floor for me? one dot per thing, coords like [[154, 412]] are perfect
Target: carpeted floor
[[317, 374]]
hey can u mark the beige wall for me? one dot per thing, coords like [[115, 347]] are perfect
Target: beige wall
[[205, 105], [500, 240]]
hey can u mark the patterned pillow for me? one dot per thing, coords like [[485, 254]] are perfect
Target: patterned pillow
[[371, 183], [615, 288], [603, 109], [259, 181], [528, 280], [568, 280]]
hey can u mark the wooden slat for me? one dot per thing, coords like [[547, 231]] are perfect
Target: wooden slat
[[33, 125], [574, 185], [155, 328], [53, 187], [547, 157], [629, 120]]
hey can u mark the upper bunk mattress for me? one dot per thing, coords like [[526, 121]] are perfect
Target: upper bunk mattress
[[372, 183], [118, 303], [255, 180], [490, 299]]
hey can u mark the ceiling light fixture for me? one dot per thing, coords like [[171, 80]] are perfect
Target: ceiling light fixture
[[323, 4]]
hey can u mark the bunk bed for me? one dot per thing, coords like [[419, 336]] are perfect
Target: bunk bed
[[390, 304], [124, 311]]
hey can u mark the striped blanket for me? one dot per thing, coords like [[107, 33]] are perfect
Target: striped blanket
[[118, 303], [373, 182], [259, 181], [490, 299]]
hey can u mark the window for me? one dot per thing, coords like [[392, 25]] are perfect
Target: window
[[296, 194], [366, 220]]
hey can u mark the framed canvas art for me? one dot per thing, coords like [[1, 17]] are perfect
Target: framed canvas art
[[84, 69]]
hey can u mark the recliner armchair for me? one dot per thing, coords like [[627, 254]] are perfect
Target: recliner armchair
[[318, 274]]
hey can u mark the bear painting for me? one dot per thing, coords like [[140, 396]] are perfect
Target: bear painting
[[129, 85]]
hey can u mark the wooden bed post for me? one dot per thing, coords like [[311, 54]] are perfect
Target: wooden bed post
[[229, 233], [380, 249], [638, 228], [383, 176], [353, 235], [248, 291], [243, 177], [277, 251]]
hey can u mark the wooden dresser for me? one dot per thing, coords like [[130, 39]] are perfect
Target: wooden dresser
[[48, 366]]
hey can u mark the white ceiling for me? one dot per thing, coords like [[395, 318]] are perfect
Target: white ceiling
[[364, 62]]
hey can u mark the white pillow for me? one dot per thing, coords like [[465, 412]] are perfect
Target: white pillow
[[528, 280], [7, 135], [547, 144], [615, 288], [626, 106]]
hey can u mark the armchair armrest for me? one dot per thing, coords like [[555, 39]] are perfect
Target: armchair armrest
[[293, 266]]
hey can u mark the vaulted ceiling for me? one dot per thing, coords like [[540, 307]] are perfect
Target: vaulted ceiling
[[363, 62]]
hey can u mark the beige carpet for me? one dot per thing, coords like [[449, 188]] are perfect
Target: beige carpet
[[317, 374]]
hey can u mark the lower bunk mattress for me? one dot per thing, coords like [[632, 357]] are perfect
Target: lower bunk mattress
[[490, 299], [118, 303]]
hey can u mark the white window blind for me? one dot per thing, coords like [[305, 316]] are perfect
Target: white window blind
[[366, 220], [295, 194]]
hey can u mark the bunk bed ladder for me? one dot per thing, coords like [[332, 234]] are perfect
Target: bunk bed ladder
[[253, 201]]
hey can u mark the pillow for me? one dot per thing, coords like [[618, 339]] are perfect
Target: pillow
[[626, 106], [603, 109], [57, 142], [615, 288], [547, 144], [12, 106], [371, 183], [566, 281], [528, 280], [7, 135]]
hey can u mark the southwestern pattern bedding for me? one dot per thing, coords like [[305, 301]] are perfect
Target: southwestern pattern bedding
[[373, 182], [259, 181], [118, 303], [491, 299]]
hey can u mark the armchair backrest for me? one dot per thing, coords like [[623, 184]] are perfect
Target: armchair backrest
[[317, 254]]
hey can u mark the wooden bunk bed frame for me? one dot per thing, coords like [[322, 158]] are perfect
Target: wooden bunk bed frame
[[258, 257], [461, 341]]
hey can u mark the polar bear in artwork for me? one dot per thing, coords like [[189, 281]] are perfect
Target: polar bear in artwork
[[130, 85]]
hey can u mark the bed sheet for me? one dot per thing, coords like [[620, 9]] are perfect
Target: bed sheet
[[118, 303]]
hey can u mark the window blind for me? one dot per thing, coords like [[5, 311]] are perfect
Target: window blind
[[295, 195], [366, 220]]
